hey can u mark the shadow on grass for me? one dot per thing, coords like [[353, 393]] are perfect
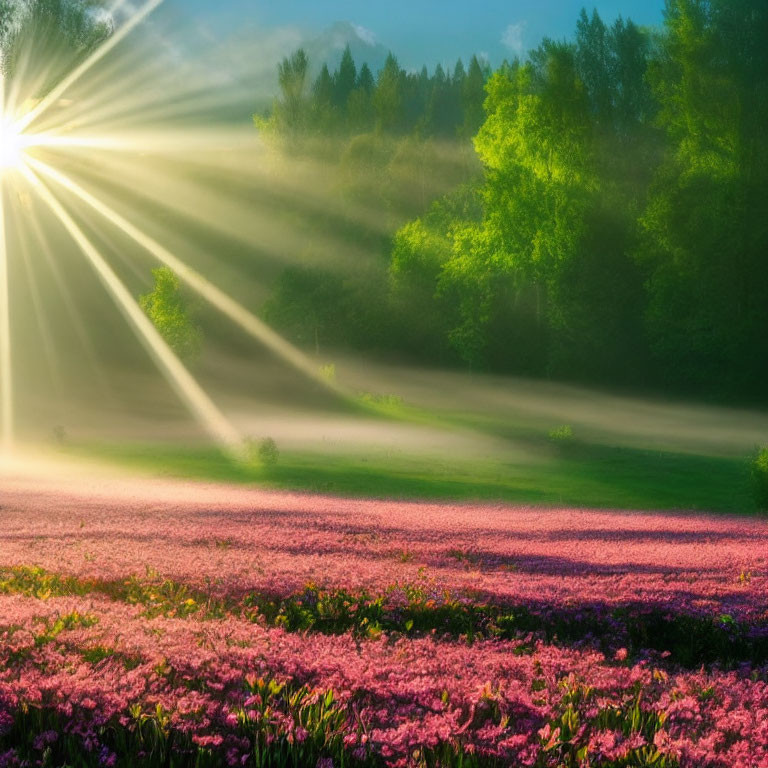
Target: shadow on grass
[[579, 475]]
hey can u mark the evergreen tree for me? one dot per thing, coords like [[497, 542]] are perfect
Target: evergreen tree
[[291, 109], [472, 98], [344, 80], [323, 100], [388, 97], [365, 81]]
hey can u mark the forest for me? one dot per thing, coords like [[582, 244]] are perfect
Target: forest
[[594, 212], [391, 417]]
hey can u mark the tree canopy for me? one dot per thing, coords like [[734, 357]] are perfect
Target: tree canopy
[[43, 39], [616, 232]]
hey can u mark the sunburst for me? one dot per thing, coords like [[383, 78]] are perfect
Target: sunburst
[[11, 144], [22, 131]]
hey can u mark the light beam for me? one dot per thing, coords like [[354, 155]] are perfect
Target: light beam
[[11, 144], [184, 384], [6, 376], [6, 379], [56, 93], [246, 320]]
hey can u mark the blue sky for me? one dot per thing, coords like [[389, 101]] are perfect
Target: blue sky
[[424, 31]]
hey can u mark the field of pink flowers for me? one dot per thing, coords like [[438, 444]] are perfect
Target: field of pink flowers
[[162, 624]]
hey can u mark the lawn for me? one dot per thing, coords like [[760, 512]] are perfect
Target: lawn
[[574, 474]]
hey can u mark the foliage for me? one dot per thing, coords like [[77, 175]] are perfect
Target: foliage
[[352, 101], [380, 401], [703, 250], [539, 290], [759, 476], [168, 309], [397, 140], [618, 235], [577, 701], [317, 731], [60, 32], [561, 434], [496, 634], [268, 452], [328, 372]]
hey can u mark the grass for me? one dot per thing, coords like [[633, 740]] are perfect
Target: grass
[[574, 474]]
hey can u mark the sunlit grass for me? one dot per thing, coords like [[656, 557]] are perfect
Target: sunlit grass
[[580, 475]]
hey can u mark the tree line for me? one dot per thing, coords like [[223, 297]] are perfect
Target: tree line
[[351, 100], [615, 232]]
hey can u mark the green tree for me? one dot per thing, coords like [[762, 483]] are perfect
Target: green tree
[[58, 33], [365, 80], [593, 56], [535, 149], [306, 305], [291, 110], [472, 98], [421, 249], [168, 309], [443, 115], [705, 237], [360, 111], [344, 80], [544, 283], [388, 97], [325, 115]]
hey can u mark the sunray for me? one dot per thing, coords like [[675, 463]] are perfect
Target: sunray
[[222, 209], [68, 300], [121, 96], [59, 90], [222, 301], [43, 327], [6, 377], [177, 375]]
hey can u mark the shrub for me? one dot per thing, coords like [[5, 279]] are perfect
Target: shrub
[[561, 434], [168, 309], [383, 401], [328, 372], [759, 472], [268, 452]]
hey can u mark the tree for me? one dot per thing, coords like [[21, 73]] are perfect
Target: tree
[[421, 249], [59, 33], [543, 283], [705, 240], [344, 80], [619, 232], [323, 101], [444, 107], [291, 109], [365, 81], [360, 112], [388, 97], [593, 58], [472, 98], [167, 308]]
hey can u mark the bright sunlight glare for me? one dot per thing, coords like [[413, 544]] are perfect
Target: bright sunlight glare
[[11, 144], [28, 121]]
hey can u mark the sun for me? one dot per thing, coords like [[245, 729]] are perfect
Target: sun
[[11, 145], [27, 126]]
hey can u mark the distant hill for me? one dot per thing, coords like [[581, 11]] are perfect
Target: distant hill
[[247, 63], [328, 46]]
